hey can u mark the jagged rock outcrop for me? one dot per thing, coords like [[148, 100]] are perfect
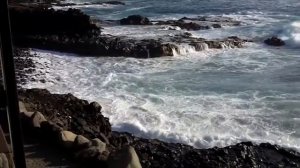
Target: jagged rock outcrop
[[68, 112], [43, 21], [72, 31]]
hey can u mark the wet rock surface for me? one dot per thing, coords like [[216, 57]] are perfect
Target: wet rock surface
[[68, 112], [24, 65], [72, 31], [43, 21], [153, 153], [135, 20], [201, 22], [274, 41], [64, 4]]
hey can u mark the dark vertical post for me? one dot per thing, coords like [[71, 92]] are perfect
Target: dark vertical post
[[9, 76]]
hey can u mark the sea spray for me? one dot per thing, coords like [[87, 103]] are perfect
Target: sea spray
[[291, 34]]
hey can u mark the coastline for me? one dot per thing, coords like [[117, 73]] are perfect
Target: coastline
[[152, 153]]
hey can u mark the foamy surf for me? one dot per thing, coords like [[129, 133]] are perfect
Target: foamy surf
[[205, 99], [183, 100], [291, 34]]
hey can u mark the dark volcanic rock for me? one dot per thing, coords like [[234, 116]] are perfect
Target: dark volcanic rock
[[190, 26], [135, 20], [24, 65], [68, 112], [274, 41], [114, 3], [43, 21], [100, 46], [90, 3], [72, 31], [201, 23], [153, 153], [184, 25]]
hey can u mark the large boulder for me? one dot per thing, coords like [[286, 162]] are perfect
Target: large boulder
[[124, 158], [135, 20], [96, 152], [275, 41], [67, 138], [81, 142], [37, 119], [92, 155], [99, 144], [22, 107]]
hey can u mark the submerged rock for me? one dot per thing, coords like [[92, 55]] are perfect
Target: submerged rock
[[275, 41], [184, 25], [201, 23]]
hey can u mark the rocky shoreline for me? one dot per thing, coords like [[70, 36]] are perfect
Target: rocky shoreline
[[67, 112], [37, 27], [78, 117]]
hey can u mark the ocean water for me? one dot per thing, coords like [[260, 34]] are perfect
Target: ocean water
[[205, 99]]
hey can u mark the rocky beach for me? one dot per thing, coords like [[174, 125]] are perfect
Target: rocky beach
[[82, 129]]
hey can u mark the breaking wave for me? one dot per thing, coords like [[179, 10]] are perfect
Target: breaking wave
[[291, 34]]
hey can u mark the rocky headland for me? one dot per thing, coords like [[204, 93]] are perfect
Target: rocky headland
[[73, 31], [78, 126]]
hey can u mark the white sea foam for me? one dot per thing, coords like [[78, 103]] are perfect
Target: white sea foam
[[291, 34], [163, 98], [185, 49], [205, 99]]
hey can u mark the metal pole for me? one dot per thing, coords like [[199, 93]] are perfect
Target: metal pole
[[9, 76]]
